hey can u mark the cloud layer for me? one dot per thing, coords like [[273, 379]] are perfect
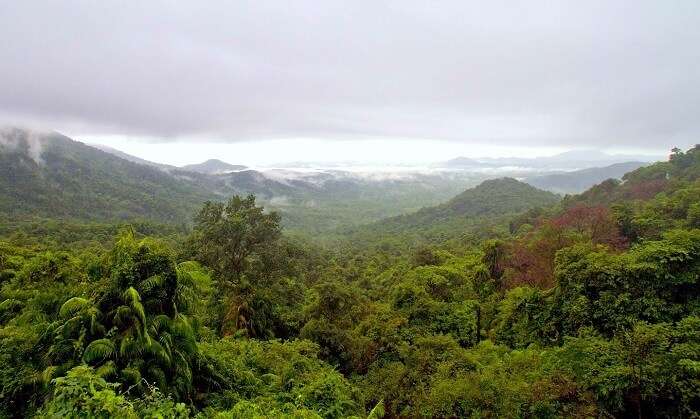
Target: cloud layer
[[541, 73]]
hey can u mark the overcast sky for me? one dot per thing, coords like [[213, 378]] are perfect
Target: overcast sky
[[465, 75]]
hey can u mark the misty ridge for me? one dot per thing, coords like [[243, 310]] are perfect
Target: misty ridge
[[362, 210], [318, 185]]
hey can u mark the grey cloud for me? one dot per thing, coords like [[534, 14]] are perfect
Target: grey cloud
[[542, 73]]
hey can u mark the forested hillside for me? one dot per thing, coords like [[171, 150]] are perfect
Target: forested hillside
[[51, 175], [588, 307], [482, 209]]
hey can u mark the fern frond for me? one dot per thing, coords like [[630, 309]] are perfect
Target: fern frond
[[46, 375], [159, 352], [184, 334], [73, 306], [10, 305], [182, 366], [95, 326], [99, 349], [159, 323], [122, 315], [166, 341], [148, 285], [131, 375], [127, 348], [377, 411], [133, 299], [107, 370]]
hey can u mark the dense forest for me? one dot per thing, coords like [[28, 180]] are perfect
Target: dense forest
[[506, 301]]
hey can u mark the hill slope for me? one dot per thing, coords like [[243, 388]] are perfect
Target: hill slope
[[129, 157], [491, 197], [579, 180], [48, 174], [485, 205], [213, 167], [646, 182]]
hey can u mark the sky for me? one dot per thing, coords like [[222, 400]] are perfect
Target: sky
[[371, 153], [337, 80]]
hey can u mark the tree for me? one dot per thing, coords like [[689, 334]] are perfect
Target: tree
[[424, 256], [623, 214], [331, 310], [494, 252], [137, 326], [227, 235]]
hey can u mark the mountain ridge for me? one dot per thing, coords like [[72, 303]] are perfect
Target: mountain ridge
[[578, 181], [213, 167], [483, 206], [49, 174], [573, 159]]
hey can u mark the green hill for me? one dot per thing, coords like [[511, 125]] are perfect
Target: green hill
[[646, 182], [50, 175], [486, 205]]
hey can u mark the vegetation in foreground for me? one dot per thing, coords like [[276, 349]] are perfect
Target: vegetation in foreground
[[585, 308]]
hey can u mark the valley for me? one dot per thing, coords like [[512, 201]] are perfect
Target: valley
[[81, 181], [349, 209], [217, 290]]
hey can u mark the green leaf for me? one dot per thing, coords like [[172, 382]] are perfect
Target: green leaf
[[73, 306], [99, 349]]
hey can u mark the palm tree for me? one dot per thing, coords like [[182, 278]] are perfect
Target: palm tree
[[137, 328]]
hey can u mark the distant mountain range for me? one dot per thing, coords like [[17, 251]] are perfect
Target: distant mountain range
[[578, 181], [51, 175], [570, 160], [213, 167], [209, 167]]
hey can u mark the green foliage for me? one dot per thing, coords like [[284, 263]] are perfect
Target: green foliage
[[20, 380], [82, 394], [226, 236], [648, 368], [287, 378], [125, 333], [583, 310], [521, 318], [230, 238], [494, 253], [646, 182], [477, 213], [655, 281]]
